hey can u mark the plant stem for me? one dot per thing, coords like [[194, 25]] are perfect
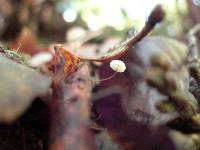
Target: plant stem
[[155, 17]]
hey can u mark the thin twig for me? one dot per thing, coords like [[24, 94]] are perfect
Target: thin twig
[[155, 17]]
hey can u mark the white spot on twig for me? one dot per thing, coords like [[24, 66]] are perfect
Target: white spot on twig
[[40, 59]]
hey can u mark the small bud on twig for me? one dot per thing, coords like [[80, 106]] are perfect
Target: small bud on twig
[[156, 15]]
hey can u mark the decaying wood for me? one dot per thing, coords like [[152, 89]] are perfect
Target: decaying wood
[[70, 110]]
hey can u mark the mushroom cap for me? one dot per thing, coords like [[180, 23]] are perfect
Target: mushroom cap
[[118, 65]]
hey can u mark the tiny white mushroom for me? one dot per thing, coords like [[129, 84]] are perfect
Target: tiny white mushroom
[[118, 65], [40, 59]]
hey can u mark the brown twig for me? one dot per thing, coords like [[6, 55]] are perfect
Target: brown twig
[[155, 17], [70, 126]]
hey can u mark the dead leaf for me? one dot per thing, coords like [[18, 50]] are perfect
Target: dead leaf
[[137, 94], [19, 85], [67, 61]]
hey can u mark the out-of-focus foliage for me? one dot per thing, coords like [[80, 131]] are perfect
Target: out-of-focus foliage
[[122, 15], [136, 109], [19, 85], [52, 19]]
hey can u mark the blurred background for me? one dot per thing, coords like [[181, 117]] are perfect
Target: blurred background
[[66, 20]]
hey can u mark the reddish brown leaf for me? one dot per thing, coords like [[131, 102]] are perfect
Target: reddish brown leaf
[[65, 62]]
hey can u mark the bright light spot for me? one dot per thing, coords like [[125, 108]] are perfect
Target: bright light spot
[[109, 12], [74, 33], [93, 22], [171, 31], [93, 25], [69, 15], [40, 59], [196, 2]]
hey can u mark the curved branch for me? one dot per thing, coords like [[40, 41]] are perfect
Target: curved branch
[[155, 17]]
